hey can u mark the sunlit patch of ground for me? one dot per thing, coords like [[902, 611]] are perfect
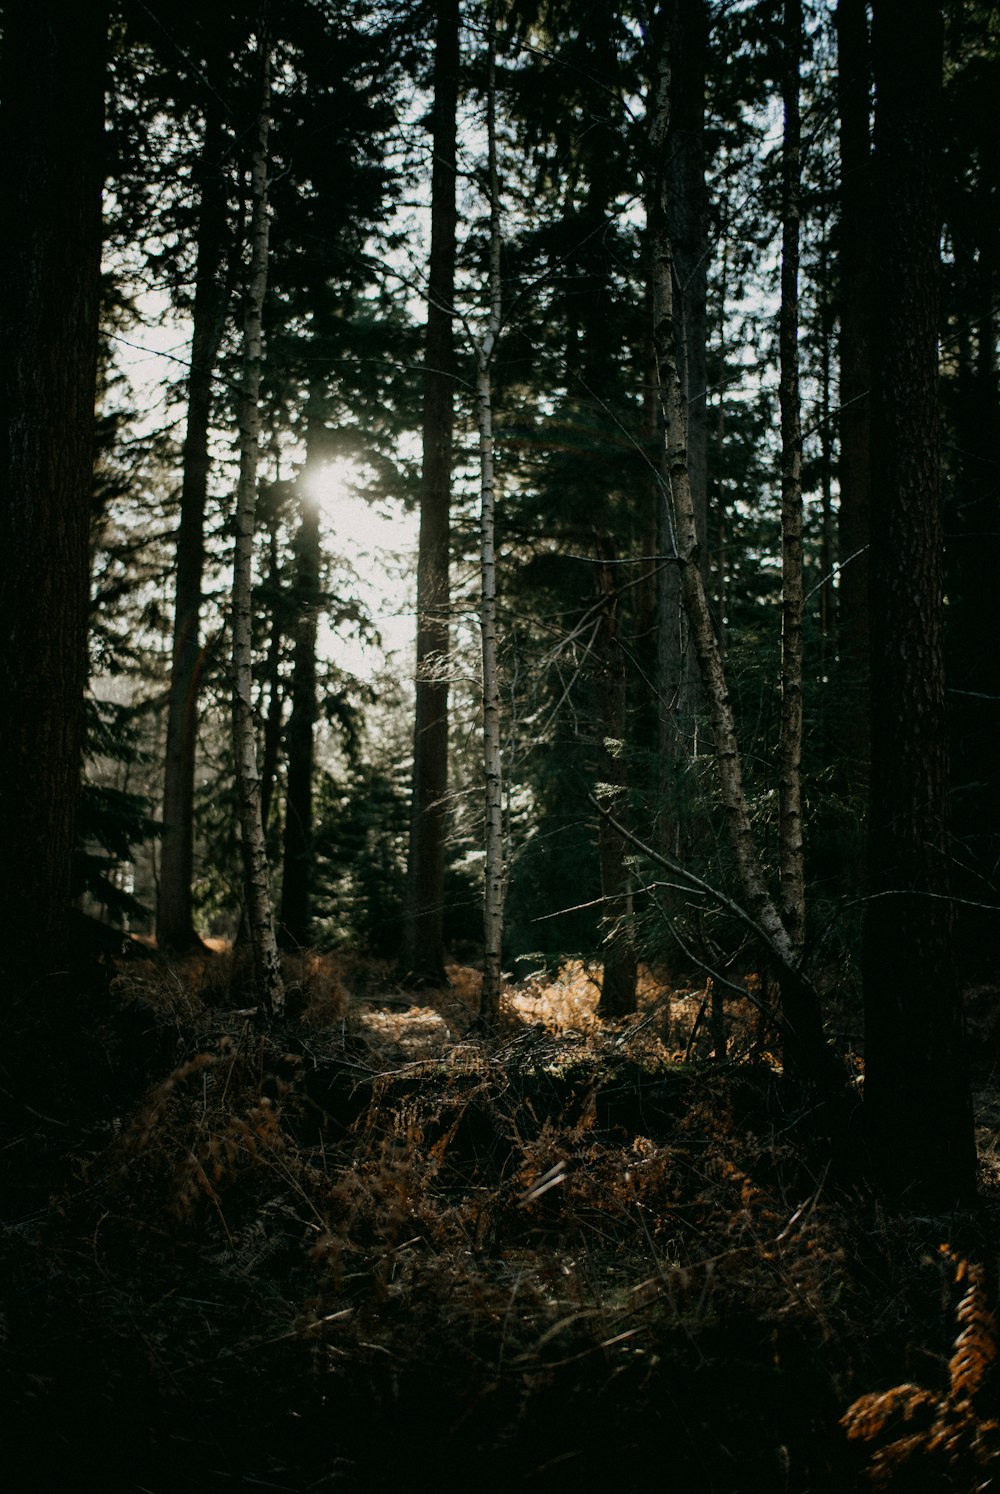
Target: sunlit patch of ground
[[414, 1033]]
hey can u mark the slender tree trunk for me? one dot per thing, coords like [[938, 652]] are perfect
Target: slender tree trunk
[[805, 1046], [272, 682], [296, 882], [175, 929], [856, 218], [51, 128], [828, 545], [721, 503], [917, 1106], [618, 984], [260, 918], [489, 1007], [423, 933], [790, 852]]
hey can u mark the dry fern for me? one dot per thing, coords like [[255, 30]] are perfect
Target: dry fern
[[954, 1437]]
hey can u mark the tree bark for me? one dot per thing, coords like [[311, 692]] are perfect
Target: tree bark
[[271, 681], [678, 683], [917, 1106], [423, 933], [175, 929], [260, 918], [790, 851], [618, 984], [51, 150], [489, 1006], [856, 217], [687, 220], [296, 881]]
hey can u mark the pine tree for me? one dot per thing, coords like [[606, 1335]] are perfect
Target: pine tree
[[917, 1106], [51, 127]]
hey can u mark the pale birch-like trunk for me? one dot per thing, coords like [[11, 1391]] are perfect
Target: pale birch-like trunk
[[790, 851], [260, 916], [489, 1006], [805, 1046]]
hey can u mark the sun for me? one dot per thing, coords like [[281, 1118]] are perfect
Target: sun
[[359, 530], [332, 483], [372, 547]]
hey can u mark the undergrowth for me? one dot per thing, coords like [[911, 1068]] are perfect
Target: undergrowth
[[582, 1255]]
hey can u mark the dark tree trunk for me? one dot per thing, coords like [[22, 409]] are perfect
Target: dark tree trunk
[[175, 929], [618, 985], [790, 849], [51, 128], [294, 927], [687, 220], [679, 691], [917, 1106], [423, 934], [855, 254], [973, 515]]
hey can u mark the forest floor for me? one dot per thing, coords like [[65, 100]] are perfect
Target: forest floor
[[371, 1254]]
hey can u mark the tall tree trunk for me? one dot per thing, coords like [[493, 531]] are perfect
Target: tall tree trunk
[[423, 933], [790, 852], [489, 1006], [828, 546], [260, 918], [271, 681], [296, 882], [856, 218], [679, 690], [917, 1106], [618, 984], [51, 157], [687, 224], [721, 498], [175, 929], [805, 1046]]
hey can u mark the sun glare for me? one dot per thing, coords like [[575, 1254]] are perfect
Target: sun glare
[[378, 547], [331, 483]]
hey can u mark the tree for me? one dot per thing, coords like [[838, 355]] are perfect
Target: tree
[[618, 982], [175, 929], [296, 877], [687, 224], [494, 871], [51, 127], [805, 1046], [790, 855], [854, 469], [917, 1106], [423, 952], [260, 917]]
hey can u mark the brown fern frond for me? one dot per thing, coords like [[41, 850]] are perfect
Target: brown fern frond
[[886, 1463], [975, 1347], [870, 1414]]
